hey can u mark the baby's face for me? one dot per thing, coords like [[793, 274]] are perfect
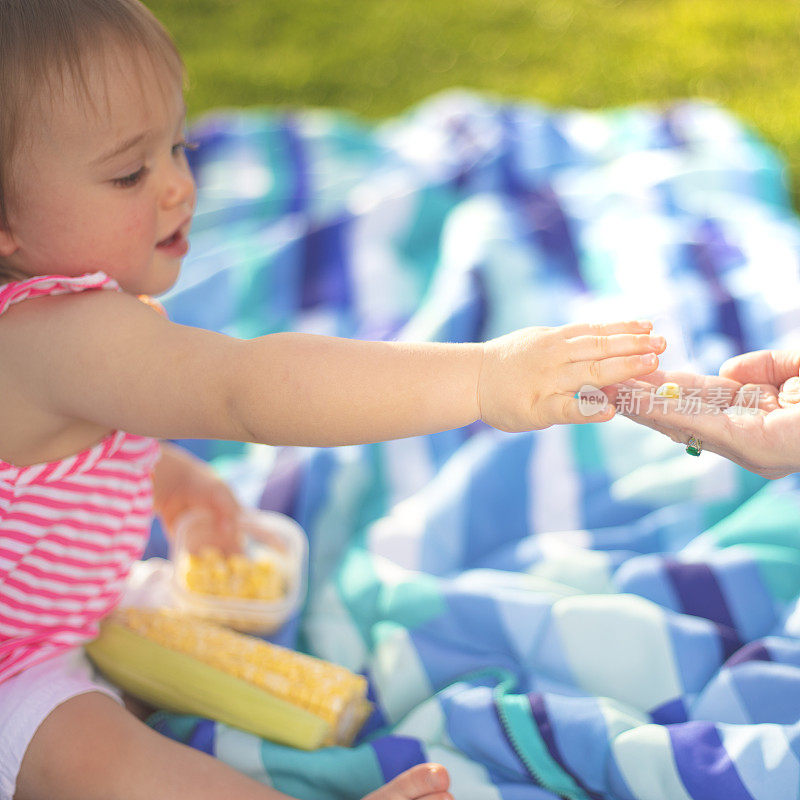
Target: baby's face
[[103, 191]]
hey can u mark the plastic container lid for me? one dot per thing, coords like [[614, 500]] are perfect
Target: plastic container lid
[[266, 534]]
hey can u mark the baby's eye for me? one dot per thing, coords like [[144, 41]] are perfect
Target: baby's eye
[[184, 145], [130, 180]]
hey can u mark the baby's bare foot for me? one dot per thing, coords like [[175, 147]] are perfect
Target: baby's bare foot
[[423, 782]]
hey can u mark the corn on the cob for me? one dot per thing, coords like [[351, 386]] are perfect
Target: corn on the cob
[[177, 662], [210, 572]]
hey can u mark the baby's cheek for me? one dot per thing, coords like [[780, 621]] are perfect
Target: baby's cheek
[[137, 224], [74, 243], [137, 236]]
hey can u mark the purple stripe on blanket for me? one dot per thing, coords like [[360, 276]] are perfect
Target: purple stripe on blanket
[[704, 766], [202, 737], [396, 754], [298, 199], [729, 640], [312, 490], [284, 481], [542, 720], [698, 590], [671, 134], [549, 229], [700, 595], [326, 276], [670, 712], [468, 315], [376, 719], [713, 255], [752, 651]]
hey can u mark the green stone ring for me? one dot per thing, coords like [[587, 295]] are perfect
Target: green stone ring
[[694, 446]]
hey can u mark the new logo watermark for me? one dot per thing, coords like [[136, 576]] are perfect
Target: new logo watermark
[[591, 400]]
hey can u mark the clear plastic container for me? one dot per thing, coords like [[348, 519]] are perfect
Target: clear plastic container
[[265, 535]]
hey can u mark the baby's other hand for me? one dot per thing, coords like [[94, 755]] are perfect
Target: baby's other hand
[[529, 378], [181, 482]]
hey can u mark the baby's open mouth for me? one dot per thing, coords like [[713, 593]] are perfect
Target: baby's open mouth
[[174, 246], [169, 240]]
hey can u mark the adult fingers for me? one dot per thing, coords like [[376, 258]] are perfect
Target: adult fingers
[[708, 384], [759, 396], [685, 379], [612, 392], [586, 348], [762, 366], [720, 392], [659, 376], [717, 430]]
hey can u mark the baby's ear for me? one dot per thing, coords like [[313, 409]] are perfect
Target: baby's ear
[[8, 244]]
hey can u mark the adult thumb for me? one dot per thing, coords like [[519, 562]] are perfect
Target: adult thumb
[[762, 366]]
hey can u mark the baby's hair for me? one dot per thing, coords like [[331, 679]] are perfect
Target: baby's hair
[[42, 42]]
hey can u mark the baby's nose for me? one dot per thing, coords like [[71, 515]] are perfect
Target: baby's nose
[[179, 189]]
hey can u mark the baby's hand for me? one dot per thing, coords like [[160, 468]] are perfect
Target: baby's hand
[[530, 377], [181, 482]]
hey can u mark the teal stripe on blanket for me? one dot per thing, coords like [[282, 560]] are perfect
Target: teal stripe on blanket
[[527, 741]]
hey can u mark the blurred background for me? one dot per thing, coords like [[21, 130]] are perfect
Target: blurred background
[[376, 58]]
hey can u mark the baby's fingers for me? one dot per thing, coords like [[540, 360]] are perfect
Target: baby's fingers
[[586, 348], [607, 371], [604, 328]]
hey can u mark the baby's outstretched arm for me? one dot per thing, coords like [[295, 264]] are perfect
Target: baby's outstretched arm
[[305, 389], [337, 391], [107, 358]]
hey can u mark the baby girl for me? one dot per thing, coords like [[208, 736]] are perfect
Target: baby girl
[[96, 202]]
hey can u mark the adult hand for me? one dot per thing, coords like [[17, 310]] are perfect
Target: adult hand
[[768, 367], [765, 440]]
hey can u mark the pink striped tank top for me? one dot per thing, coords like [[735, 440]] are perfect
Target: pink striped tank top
[[69, 529]]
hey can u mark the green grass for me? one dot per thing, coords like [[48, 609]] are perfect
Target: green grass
[[377, 57]]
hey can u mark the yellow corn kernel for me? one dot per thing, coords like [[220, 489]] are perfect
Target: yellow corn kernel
[[210, 572], [671, 390], [238, 564], [177, 662]]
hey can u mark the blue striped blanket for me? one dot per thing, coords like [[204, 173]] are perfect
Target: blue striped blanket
[[580, 612]]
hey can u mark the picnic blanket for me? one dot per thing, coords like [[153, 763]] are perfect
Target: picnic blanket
[[579, 612]]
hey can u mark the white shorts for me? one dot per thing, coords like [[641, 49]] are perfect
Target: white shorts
[[27, 699]]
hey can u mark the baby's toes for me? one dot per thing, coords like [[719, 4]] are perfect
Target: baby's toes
[[429, 781]]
